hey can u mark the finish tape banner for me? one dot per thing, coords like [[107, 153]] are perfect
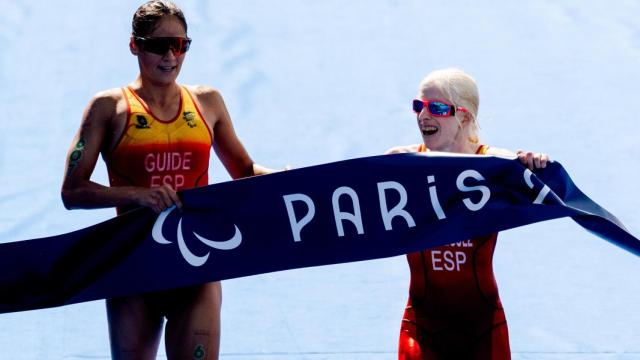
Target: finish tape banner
[[346, 211]]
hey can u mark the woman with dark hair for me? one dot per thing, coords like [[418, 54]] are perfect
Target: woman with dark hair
[[155, 137]]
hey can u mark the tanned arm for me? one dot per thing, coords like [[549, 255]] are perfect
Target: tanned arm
[[78, 191], [227, 146]]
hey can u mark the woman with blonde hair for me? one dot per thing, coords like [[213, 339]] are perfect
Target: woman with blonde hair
[[454, 312]]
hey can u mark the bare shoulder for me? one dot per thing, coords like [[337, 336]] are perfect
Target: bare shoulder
[[403, 149], [206, 95], [110, 95], [105, 105], [104, 118], [210, 103]]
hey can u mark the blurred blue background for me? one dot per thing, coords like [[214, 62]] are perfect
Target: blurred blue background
[[310, 82]]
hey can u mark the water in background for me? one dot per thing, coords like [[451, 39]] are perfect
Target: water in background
[[313, 82]]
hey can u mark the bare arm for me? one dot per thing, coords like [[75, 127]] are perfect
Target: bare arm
[[532, 160], [78, 191], [227, 146]]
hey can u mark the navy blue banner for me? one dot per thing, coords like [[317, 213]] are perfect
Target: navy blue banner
[[346, 211]]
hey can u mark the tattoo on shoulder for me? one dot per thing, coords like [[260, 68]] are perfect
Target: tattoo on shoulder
[[76, 155]]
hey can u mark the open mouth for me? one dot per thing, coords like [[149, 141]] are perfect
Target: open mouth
[[429, 130], [167, 68]]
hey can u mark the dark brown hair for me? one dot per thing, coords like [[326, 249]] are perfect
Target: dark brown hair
[[149, 13]]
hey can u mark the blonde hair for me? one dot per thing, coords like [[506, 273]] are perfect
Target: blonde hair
[[461, 89]]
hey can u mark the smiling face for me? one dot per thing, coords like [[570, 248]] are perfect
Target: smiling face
[[447, 133], [161, 70], [457, 133]]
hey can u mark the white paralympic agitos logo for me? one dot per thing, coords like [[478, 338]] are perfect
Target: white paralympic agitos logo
[[191, 258]]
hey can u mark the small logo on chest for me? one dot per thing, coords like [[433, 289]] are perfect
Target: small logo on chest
[[142, 122], [190, 118]]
